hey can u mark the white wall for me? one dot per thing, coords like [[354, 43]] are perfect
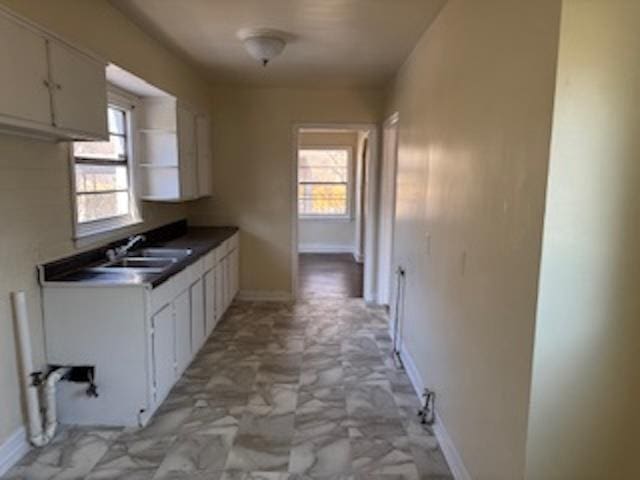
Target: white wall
[[35, 204], [584, 418], [253, 138], [475, 101], [330, 235]]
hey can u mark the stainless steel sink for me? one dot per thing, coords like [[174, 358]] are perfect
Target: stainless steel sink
[[136, 265], [163, 252]]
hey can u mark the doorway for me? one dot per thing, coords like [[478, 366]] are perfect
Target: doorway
[[333, 234]]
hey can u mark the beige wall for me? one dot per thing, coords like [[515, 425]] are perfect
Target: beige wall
[[584, 418], [34, 179], [330, 234], [475, 102], [254, 151]]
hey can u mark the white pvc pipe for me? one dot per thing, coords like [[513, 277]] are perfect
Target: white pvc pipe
[[51, 419], [26, 361], [37, 436]]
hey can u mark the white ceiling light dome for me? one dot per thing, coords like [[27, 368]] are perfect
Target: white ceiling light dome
[[263, 44]]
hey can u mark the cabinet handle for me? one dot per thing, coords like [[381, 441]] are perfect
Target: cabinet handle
[[46, 83], [58, 86]]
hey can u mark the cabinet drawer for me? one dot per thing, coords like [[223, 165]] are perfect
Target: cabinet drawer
[[220, 252], [209, 260], [163, 294], [234, 242], [196, 271]]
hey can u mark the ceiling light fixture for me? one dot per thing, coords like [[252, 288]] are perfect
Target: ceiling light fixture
[[263, 44]]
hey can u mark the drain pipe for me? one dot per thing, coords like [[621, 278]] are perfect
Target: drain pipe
[[30, 379], [50, 412]]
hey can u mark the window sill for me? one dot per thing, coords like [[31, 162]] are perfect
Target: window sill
[[320, 218], [91, 234]]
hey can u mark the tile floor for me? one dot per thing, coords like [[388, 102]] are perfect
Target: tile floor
[[279, 392]]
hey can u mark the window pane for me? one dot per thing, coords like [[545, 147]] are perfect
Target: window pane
[[116, 120], [97, 178], [114, 149], [102, 205], [318, 199], [323, 166]]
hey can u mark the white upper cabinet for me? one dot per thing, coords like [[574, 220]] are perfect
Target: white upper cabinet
[[78, 90], [187, 148], [24, 77], [49, 88], [173, 151], [205, 166]]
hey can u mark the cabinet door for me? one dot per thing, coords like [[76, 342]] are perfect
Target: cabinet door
[[79, 91], [164, 367], [220, 306], [24, 75], [197, 316], [227, 281], [234, 271], [203, 137], [182, 310], [210, 300], [187, 153]]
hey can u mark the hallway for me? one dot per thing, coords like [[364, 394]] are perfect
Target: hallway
[[307, 390], [329, 275]]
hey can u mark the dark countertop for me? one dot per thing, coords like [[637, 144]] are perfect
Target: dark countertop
[[72, 270]]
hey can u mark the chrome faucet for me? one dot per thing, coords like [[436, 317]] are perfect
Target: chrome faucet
[[122, 250]]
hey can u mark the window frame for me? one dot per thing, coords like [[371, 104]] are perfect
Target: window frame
[[348, 216], [89, 232]]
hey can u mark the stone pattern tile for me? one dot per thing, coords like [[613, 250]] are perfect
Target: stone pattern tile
[[304, 391]]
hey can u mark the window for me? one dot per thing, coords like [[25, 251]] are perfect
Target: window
[[324, 182], [102, 175]]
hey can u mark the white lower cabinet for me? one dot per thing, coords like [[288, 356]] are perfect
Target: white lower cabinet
[[139, 339], [210, 301], [197, 316], [182, 312], [219, 293], [163, 352]]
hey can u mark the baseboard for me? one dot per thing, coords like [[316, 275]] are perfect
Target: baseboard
[[324, 248], [456, 465], [13, 449], [264, 296]]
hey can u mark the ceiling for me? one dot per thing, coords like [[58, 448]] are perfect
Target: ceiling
[[334, 43]]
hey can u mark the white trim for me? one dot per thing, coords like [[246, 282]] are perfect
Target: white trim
[[371, 227], [324, 248], [456, 465], [13, 449], [264, 296], [387, 209]]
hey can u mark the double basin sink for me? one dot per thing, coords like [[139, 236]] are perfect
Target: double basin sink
[[145, 260]]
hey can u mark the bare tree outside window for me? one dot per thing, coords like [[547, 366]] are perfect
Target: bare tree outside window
[[323, 182], [102, 173]]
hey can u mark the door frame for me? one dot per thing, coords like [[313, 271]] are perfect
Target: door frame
[[387, 219], [370, 293]]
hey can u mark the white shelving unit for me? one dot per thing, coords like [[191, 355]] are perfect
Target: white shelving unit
[[175, 152], [174, 160]]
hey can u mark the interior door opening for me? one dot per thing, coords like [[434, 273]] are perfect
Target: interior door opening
[[332, 211]]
